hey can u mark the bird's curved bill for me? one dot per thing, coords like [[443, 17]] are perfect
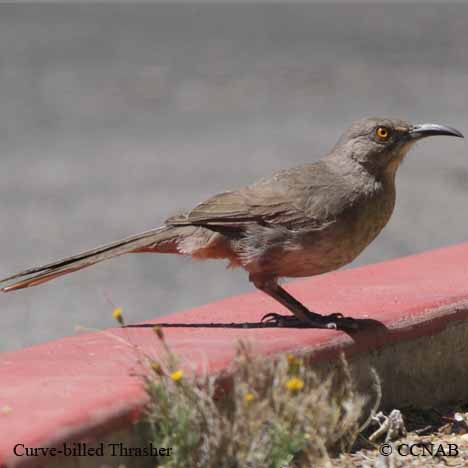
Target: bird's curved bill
[[430, 129]]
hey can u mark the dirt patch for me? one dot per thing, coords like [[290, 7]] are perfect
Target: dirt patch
[[434, 437]]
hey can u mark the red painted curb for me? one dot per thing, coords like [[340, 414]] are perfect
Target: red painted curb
[[87, 385]]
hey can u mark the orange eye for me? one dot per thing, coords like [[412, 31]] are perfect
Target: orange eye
[[383, 133]]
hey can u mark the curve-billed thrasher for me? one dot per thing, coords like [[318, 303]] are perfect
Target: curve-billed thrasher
[[300, 222]]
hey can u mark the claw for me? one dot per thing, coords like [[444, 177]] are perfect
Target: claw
[[336, 315], [282, 320], [335, 321], [270, 317]]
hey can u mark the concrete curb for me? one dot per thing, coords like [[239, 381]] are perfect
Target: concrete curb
[[88, 386]]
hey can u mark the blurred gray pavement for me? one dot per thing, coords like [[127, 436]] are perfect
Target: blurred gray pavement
[[114, 117]]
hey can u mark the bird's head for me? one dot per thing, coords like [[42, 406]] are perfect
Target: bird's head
[[381, 144]]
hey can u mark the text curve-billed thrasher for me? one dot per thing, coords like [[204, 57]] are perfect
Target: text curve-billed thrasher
[[299, 222]]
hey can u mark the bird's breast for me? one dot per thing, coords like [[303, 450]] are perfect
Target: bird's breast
[[309, 252], [354, 229]]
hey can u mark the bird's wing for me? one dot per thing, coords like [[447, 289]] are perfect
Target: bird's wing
[[283, 200], [236, 209]]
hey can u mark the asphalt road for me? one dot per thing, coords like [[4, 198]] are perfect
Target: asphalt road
[[114, 117]]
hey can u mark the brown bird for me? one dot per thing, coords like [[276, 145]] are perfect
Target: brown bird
[[299, 222]]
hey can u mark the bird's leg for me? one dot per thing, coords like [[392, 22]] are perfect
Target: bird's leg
[[302, 315]]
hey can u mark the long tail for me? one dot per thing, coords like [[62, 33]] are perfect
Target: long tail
[[163, 236]]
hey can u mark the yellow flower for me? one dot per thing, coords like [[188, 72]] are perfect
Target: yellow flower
[[295, 384], [294, 361], [177, 375], [117, 314], [248, 397]]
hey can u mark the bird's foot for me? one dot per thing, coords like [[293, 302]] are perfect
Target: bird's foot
[[331, 322], [339, 322], [288, 321]]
